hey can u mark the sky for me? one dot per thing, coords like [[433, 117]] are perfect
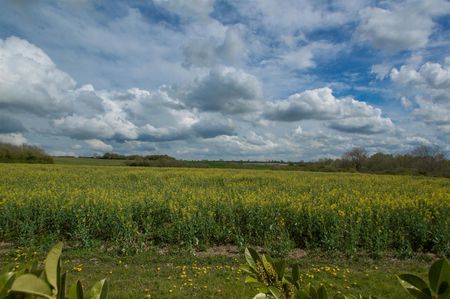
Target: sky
[[225, 79]]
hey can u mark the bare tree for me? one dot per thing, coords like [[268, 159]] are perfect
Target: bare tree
[[356, 157], [429, 159]]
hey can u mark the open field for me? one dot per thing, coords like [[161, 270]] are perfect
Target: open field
[[132, 208]]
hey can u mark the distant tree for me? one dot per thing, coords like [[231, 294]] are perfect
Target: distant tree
[[381, 162], [23, 154], [429, 160], [355, 158]]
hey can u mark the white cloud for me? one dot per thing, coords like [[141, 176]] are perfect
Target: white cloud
[[427, 87], [30, 81], [405, 25], [430, 75], [98, 145], [13, 138], [347, 114]]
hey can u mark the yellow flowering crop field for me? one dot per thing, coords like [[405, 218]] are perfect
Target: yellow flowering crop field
[[134, 207]]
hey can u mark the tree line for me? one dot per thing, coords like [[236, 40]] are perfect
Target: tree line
[[422, 160], [23, 154]]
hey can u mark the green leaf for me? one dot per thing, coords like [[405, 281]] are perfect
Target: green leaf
[[415, 281], [52, 265], [76, 291], [444, 289], [275, 292], [295, 272], [322, 292], [439, 272], [250, 279], [412, 289], [30, 284], [280, 268], [251, 256], [247, 269], [6, 281], [301, 294], [62, 286], [99, 290], [418, 294], [268, 266]]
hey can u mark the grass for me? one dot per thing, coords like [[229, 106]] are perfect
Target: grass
[[180, 274]]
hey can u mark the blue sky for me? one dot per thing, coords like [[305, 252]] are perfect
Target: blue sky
[[225, 79]]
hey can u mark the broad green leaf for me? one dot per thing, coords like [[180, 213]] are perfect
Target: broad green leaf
[[52, 265], [439, 272], [6, 281], [275, 292], [99, 290], [76, 291], [444, 289], [408, 280], [30, 284], [418, 294], [251, 256]]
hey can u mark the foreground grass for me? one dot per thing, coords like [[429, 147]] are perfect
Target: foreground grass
[[181, 274]]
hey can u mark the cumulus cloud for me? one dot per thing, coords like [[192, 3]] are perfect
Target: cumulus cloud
[[111, 125], [406, 25], [227, 90], [347, 114], [427, 88], [98, 145], [430, 75], [30, 81], [13, 138]]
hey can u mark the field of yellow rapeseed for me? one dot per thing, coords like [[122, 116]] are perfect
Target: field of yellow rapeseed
[[134, 207]]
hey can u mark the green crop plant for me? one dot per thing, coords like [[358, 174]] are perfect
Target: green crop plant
[[271, 279], [49, 282]]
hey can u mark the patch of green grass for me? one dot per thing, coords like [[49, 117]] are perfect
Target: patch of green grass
[[88, 161], [180, 274]]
